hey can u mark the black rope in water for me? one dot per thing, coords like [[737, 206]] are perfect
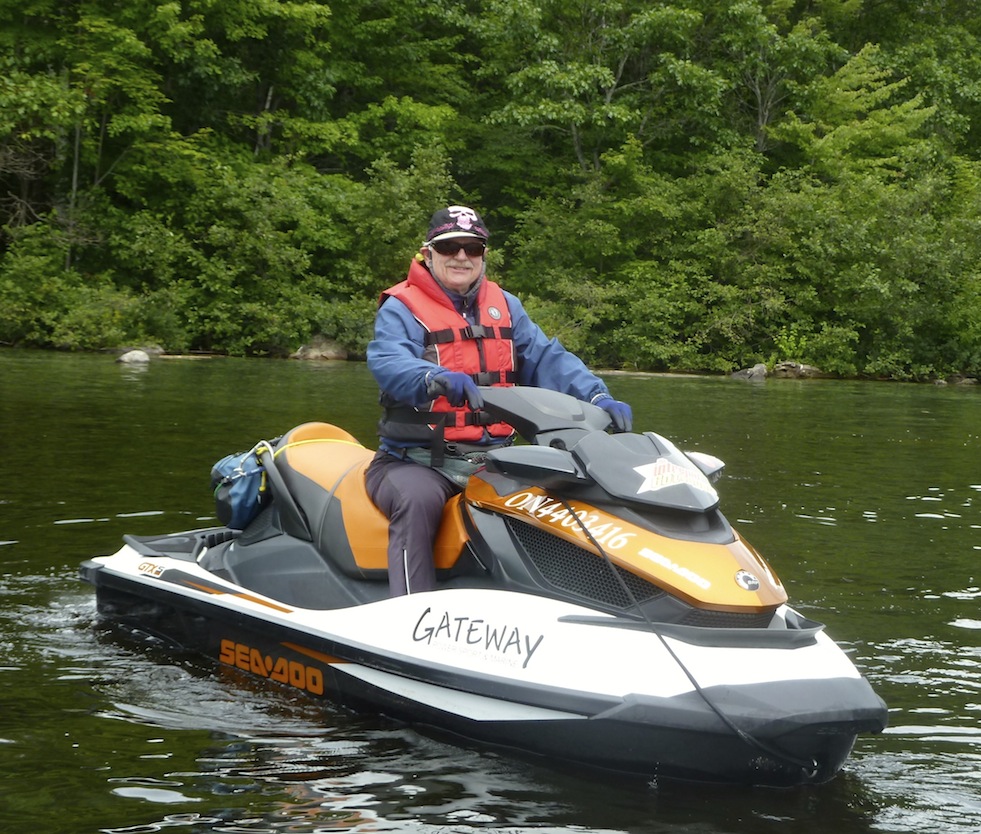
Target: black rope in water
[[809, 767]]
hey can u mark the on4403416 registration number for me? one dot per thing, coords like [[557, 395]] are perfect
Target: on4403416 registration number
[[561, 513], [276, 668]]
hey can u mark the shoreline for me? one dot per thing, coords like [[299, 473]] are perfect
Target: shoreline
[[793, 370]]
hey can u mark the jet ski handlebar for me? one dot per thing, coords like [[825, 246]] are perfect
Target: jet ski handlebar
[[570, 446], [543, 417]]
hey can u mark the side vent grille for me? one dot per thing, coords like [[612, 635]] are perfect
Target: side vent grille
[[577, 571], [581, 572], [726, 619]]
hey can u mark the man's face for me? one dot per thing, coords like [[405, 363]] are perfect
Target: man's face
[[455, 267]]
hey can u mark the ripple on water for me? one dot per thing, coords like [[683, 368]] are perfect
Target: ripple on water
[[927, 764], [961, 622]]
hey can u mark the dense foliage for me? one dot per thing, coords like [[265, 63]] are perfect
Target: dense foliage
[[698, 184]]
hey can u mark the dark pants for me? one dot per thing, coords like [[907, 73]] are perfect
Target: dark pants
[[413, 497]]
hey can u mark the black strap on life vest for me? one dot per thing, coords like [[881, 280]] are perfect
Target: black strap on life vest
[[495, 377], [471, 331], [438, 420]]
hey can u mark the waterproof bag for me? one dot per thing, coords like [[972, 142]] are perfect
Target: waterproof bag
[[240, 488]]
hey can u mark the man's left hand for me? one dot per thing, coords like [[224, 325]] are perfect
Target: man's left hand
[[458, 388], [620, 412]]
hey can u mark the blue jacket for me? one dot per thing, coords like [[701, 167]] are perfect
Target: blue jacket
[[395, 355]]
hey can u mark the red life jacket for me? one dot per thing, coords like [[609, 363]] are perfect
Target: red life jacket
[[484, 350]]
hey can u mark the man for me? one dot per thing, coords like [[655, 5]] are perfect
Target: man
[[438, 335]]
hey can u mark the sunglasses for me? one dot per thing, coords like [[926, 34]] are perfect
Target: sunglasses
[[473, 248]]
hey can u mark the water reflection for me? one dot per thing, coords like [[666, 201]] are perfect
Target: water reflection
[[404, 780]]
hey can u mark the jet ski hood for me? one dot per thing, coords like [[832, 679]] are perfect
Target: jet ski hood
[[633, 468]]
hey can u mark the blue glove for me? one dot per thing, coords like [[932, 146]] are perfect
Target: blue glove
[[620, 413], [456, 387]]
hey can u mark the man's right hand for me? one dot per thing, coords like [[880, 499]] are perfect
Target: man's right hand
[[456, 387]]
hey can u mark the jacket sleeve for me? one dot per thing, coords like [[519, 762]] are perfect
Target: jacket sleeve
[[545, 363], [395, 355]]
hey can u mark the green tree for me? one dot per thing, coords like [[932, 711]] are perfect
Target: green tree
[[589, 73], [695, 184], [857, 118]]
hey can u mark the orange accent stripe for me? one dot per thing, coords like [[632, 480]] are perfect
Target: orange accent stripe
[[219, 591], [323, 658]]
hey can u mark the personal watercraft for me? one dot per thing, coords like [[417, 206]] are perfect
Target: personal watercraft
[[594, 606]]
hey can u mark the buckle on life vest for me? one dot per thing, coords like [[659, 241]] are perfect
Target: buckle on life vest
[[483, 331], [476, 418], [471, 331]]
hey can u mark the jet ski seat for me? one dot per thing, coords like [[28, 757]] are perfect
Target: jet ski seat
[[323, 467]]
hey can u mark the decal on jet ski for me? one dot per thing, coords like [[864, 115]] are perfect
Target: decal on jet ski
[[662, 473], [747, 581], [276, 668], [475, 634], [675, 568], [568, 515], [179, 577]]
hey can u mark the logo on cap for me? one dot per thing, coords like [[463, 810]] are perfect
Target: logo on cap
[[464, 217]]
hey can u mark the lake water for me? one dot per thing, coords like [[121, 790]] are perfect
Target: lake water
[[864, 497]]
